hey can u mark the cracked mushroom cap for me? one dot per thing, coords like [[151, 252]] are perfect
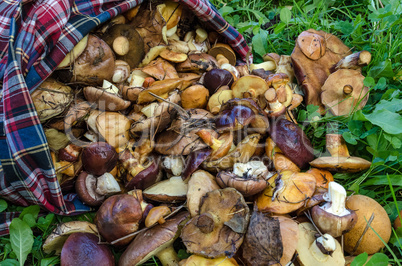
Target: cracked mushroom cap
[[220, 227], [344, 92], [150, 242]]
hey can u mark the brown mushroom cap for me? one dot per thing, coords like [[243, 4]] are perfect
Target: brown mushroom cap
[[225, 50], [150, 242], [220, 227], [344, 91], [114, 128], [136, 44], [249, 86], [248, 186], [160, 69], [356, 240], [85, 186], [105, 100], [198, 62], [287, 192], [341, 164], [119, 216], [95, 64], [322, 177], [195, 96]]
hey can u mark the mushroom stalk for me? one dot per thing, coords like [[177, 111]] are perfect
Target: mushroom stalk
[[168, 256], [324, 243], [337, 196], [353, 61]]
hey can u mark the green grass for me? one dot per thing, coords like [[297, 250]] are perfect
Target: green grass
[[273, 26]]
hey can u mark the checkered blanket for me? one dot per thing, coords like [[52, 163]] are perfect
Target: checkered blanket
[[35, 36]]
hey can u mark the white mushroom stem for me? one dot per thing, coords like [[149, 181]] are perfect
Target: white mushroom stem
[[106, 184], [327, 242], [175, 164], [336, 197], [168, 256], [121, 45], [252, 168], [201, 35], [267, 66], [121, 71]]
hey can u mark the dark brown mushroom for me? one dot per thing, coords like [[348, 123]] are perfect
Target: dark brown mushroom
[[99, 158], [225, 50]]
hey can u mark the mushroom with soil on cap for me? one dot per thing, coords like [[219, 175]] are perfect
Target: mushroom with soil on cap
[[220, 227], [324, 250], [344, 92], [156, 241], [340, 159], [248, 178], [373, 228], [333, 218]]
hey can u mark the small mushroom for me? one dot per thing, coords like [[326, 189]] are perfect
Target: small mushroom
[[249, 86], [373, 228], [99, 158], [197, 62], [119, 216], [216, 78], [156, 215], [248, 178], [353, 61], [201, 261], [126, 42], [220, 146], [325, 250], [344, 92], [218, 99], [220, 227], [286, 192], [333, 217], [340, 160], [322, 177], [195, 96], [121, 71], [225, 50], [156, 241]]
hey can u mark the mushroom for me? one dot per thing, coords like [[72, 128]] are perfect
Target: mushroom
[[292, 141], [373, 228], [353, 61], [173, 56], [160, 69], [170, 190], [241, 154], [70, 153], [201, 261], [156, 215], [218, 99], [121, 71], [270, 240], [83, 249], [161, 88], [316, 52], [92, 190], [156, 241], [344, 92], [200, 183], [322, 177], [220, 146], [195, 96], [325, 250], [216, 78], [333, 218], [55, 241], [51, 98], [173, 165], [74, 53], [118, 216], [248, 178], [113, 127], [286, 192], [249, 86], [95, 64], [99, 158], [194, 160], [340, 160], [105, 99], [126, 42], [220, 227], [225, 50], [197, 62]]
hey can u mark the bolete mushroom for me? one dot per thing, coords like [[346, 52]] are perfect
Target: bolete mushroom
[[340, 160], [216, 78], [220, 227], [373, 228], [156, 241], [105, 99], [126, 42], [324, 250], [170, 190], [99, 158], [201, 261], [344, 92], [333, 218]]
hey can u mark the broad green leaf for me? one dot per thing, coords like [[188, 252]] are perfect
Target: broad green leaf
[[279, 27], [356, 127], [381, 84], [50, 261], [285, 15], [349, 138], [3, 205], [381, 180], [396, 238], [395, 105], [21, 238], [9, 262], [345, 27], [390, 122], [382, 69], [44, 222], [360, 260], [33, 210], [369, 82], [260, 42], [378, 259]]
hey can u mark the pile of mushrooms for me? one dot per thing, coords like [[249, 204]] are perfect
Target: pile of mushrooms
[[151, 122]]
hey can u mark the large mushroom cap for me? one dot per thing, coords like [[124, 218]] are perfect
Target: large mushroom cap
[[341, 164], [148, 243], [344, 91], [221, 225], [105, 100]]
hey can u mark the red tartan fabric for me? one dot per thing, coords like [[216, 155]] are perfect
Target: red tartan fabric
[[34, 38]]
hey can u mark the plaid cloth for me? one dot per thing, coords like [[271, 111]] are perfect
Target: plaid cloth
[[35, 36]]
